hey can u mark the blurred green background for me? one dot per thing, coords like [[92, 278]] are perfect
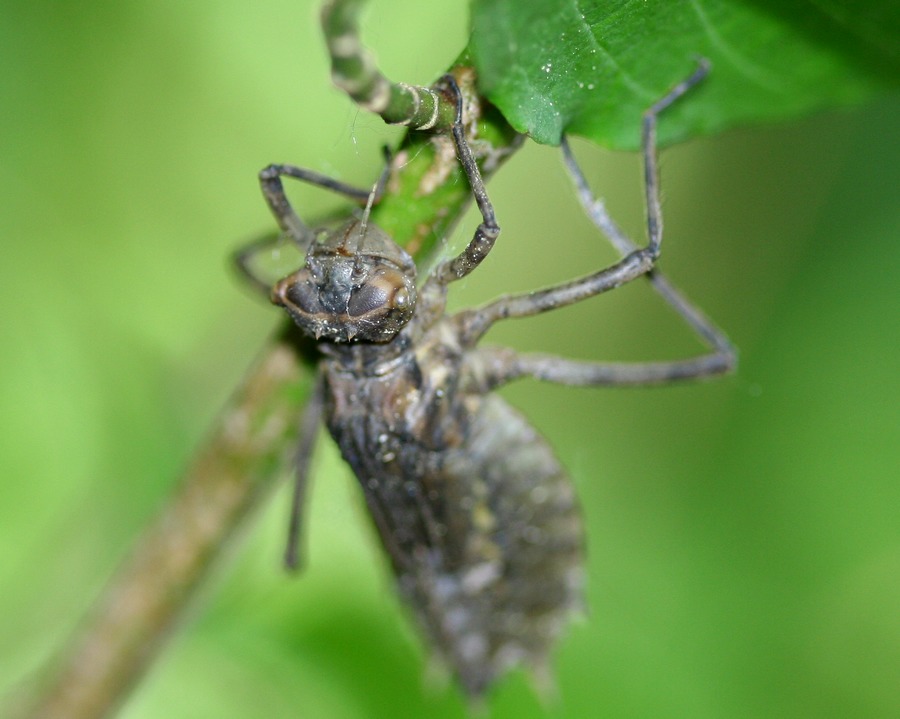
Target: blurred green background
[[744, 534]]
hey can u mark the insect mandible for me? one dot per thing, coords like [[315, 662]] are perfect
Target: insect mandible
[[479, 519]]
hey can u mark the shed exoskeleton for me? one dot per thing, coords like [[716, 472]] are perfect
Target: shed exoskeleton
[[479, 518]]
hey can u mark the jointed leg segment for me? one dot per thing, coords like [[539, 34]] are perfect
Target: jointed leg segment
[[500, 365], [290, 223], [487, 232], [273, 191], [312, 420]]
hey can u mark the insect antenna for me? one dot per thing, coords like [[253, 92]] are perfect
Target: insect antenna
[[358, 261], [377, 190], [374, 196], [364, 221]]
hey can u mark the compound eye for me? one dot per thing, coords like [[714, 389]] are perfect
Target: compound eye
[[298, 293], [304, 296], [371, 296]]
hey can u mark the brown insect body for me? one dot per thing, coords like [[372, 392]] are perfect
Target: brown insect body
[[477, 515]]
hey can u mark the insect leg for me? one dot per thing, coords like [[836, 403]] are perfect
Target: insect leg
[[291, 225], [487, 231], [711, 335], [506, 365], [495, 366], [288, 220], [312, 417], [243, 260], [498, 365]]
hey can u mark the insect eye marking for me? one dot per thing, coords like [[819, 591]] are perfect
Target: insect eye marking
[[386, 289], [367, 298], [303, 295], [401, 298]]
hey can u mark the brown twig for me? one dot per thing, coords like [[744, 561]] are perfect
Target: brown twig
[[230, 474]]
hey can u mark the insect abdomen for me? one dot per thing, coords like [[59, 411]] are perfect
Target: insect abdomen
[[477, 515], [512, 511]]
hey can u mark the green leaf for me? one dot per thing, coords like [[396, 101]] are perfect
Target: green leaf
[[590, 67]]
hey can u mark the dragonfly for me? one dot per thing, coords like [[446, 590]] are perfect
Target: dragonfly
[[479, 518]]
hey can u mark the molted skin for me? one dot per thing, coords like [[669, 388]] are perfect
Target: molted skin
[[477, 515], [479, 519]]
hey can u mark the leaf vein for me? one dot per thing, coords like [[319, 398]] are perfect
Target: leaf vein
[[740, 62]]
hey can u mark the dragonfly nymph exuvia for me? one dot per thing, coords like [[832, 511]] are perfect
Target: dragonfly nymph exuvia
[[480, 520]]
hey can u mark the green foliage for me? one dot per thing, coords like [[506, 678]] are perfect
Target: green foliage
[[742, 533], [590, 68]]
